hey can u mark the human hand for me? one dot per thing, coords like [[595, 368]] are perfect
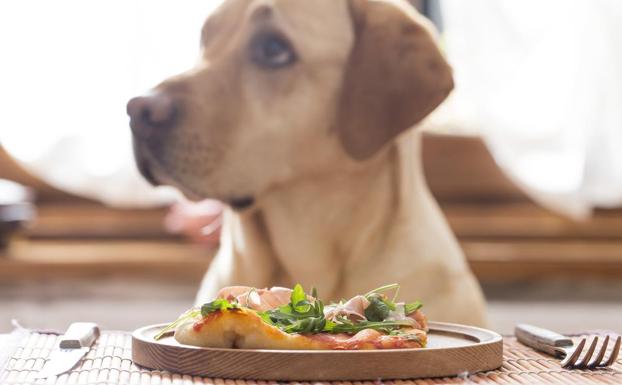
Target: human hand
[[199, 221]]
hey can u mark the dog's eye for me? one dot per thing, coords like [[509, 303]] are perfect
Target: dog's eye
[[272, 51]]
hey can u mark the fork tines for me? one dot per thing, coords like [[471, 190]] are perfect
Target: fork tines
[[575, 361]]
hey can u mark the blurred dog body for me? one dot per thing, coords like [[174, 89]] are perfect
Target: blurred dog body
[[298, 116]]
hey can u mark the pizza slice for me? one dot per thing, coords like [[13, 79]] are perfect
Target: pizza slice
[[290, 319]]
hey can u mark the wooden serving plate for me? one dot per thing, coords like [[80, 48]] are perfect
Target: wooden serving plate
[[452, 350]]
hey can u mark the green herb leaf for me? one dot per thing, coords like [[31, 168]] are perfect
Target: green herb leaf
[[299, 300], [306, 325], [384, 288], [412, 307], [298, 316], [190, 314], [384, 326], [265, 317], [378, 309], [406, 335], [298, 294], [217, 305]]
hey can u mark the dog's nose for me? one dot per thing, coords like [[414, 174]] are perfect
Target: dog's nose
[[152, 112]]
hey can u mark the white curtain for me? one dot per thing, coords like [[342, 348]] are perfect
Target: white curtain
[[67, 69], [542, 82]]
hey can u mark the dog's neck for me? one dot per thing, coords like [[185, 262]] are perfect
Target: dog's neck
[[316, 225], [318, 228]]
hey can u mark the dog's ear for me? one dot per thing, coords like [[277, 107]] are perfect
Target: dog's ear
[[396, 75]]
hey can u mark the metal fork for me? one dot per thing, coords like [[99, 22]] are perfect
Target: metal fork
[[560, 346]]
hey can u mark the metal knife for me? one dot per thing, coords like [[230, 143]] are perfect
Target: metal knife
[[73, 345]]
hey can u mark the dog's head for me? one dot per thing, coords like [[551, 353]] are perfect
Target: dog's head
[[286, 89]]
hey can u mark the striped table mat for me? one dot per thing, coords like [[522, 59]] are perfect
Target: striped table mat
[[109, 363]]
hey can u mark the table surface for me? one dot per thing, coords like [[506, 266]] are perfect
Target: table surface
[[109, 363]]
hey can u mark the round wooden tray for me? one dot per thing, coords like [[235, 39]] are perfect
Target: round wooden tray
[[452, 350]]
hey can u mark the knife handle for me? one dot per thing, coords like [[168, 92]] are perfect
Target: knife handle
[[79, 335], [541, 339]]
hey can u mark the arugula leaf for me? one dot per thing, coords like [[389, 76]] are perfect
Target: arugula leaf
[[397, 292], [306, 325], [298, 316], [383, 326], [412, 307], [380, 305], [405, 335], [298, 294], [384, 288], [298, 300], [218, 305], [265, 317], [378, 309], [192, 313]]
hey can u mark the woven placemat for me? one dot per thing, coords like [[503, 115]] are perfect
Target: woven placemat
[[109, 363]]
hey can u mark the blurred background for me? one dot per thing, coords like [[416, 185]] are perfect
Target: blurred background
[[525, 159]]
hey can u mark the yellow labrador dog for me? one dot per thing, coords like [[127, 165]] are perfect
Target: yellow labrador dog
[[297, 115]]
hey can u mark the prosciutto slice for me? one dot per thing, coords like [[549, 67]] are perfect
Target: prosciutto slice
[[257, 299]]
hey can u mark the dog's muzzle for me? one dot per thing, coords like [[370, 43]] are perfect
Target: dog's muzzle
[[151, 114], [142, 163], [151, 118]]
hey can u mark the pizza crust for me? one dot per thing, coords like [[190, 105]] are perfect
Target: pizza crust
[[241, 329]]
